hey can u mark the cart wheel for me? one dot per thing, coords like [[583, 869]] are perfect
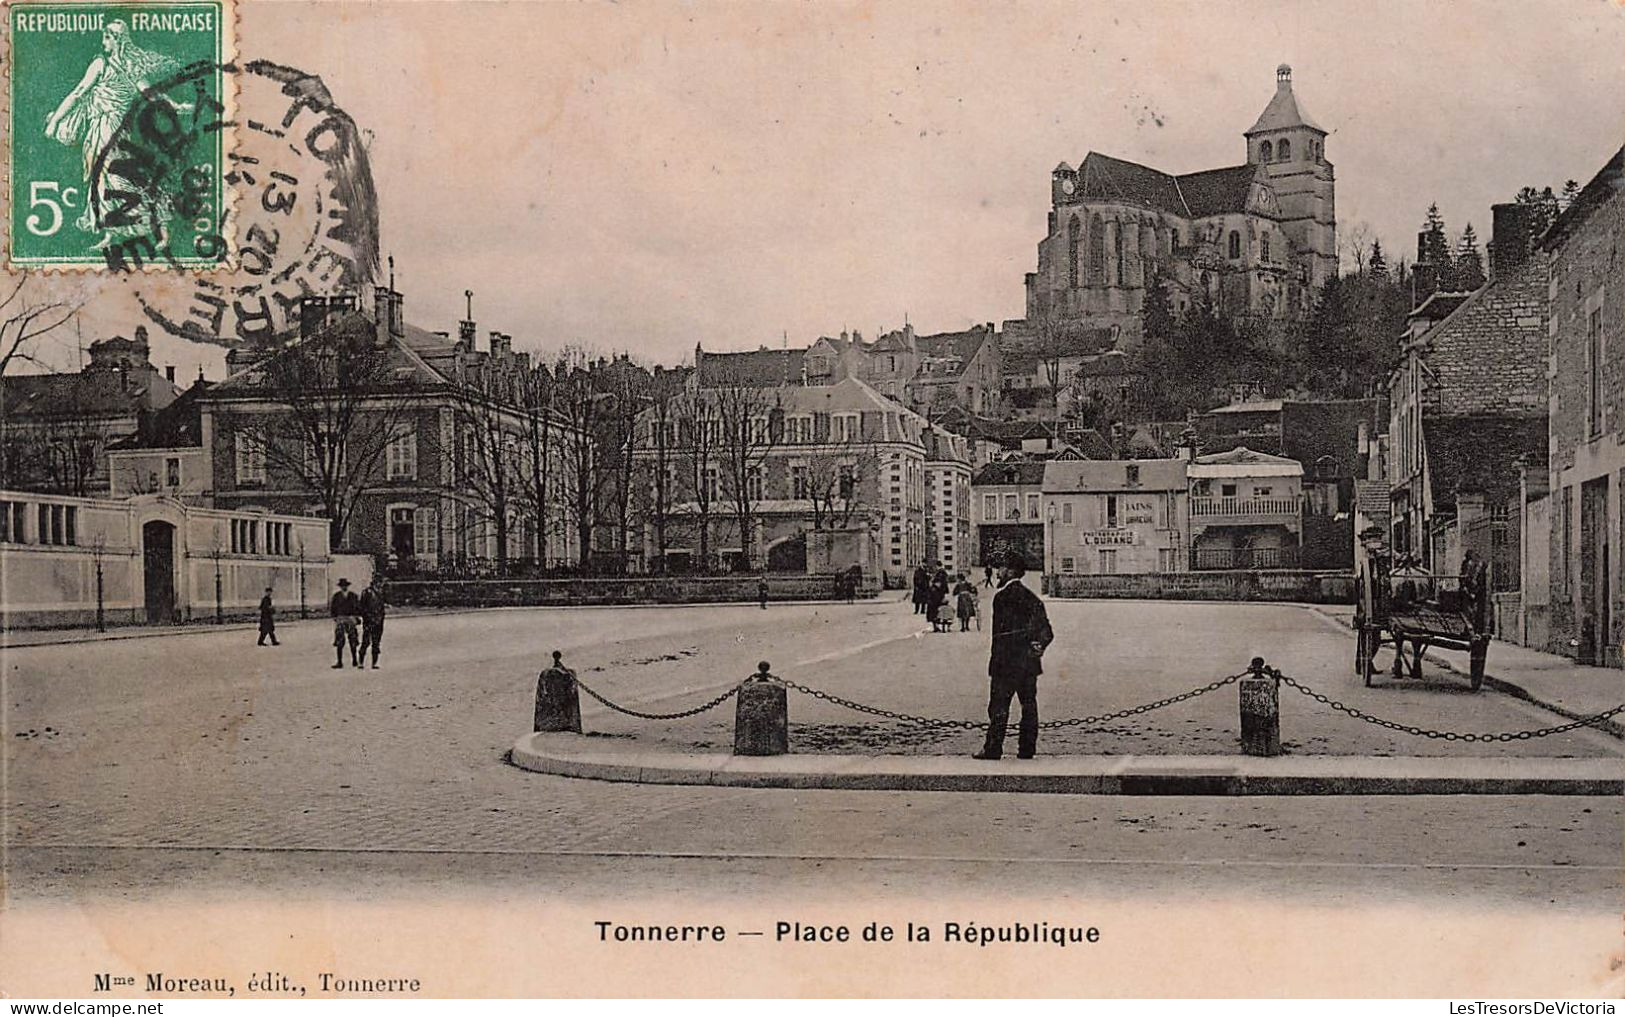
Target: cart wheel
[[1480, 653]]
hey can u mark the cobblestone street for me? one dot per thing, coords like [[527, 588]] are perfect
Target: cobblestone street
[[197, 767]]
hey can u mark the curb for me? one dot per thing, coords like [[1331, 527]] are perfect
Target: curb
[[1501, 685], [1146, 776]]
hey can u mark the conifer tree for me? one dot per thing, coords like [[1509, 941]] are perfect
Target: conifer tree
[[1469, 264]]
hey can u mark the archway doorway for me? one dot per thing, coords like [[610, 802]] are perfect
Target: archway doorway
[[788, 555], [158, 558]]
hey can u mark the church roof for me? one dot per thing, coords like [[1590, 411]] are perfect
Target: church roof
[[1191, 196], [1283, 110], [1104, 177], [1217, 191]]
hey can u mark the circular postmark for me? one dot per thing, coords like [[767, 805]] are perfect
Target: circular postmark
[[256, 202]]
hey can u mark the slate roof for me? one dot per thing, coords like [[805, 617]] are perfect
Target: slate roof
[[409, 356], [100, 393], [1283, 110], [764, 368], [178, 425], [1217, 191], [1023, 473], [1191, 196], [1112, 475], [1371, 500]]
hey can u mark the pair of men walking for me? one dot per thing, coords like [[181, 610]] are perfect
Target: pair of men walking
[[348, 610]]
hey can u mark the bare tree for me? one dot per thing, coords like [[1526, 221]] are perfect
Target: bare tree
[[583, 410], [747, 434], [660, 421], [487, 429], [627, 387], [835, 479], [699, 438], [25, 323], [331, 416], [542, 436]]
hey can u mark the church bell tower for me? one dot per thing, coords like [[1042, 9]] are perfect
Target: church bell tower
[[1292, 148]]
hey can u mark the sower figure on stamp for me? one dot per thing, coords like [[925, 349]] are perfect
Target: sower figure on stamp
[[267, 619], [372, 606], [345, 608], [1021, 633]]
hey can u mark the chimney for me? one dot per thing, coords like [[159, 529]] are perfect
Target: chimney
[[1509, 238], [312, 315], [169, 373], [466, 334], [387, 312], [1362, 452], [1424, 281]]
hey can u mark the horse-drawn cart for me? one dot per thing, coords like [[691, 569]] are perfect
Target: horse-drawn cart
[[1399, 605]]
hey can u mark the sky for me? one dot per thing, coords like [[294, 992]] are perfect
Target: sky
[[642, 177]]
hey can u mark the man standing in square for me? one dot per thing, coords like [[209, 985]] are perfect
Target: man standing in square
[[372, 620], [1021, 633], [345, 608]]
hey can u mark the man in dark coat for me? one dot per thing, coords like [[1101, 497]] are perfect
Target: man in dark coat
[[922, 588], [372, 620], [1021, 633], [267, 619], [345, 608]]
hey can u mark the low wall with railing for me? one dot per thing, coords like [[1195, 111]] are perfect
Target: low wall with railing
[[1267, 585], [626, 590]]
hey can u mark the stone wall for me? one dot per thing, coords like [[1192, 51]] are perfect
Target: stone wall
[[646, 590], [1285, 585], [1490, 356]]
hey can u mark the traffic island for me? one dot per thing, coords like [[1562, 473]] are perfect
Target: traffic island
[[570, 755]]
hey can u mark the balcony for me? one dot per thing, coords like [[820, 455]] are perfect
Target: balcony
[[1246, 511]]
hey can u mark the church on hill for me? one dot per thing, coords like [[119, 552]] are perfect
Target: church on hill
[[1259, 239]]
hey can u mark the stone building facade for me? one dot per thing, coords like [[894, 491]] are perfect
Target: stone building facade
[[831, 459], [426, 450], [1468, 403], [1258, 238], [1585, 322], [1116, 517], [55, 429]]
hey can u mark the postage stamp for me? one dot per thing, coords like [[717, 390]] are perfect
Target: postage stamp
[[111, 102]]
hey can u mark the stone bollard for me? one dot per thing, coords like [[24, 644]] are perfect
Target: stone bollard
[[762, 716], [558, 702], [1260, 712]]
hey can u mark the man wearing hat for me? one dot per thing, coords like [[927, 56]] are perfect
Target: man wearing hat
[[1021, 633], [345, 608]]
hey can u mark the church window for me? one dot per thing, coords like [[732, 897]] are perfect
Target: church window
[[1235, 244], [1266, 153], [1284, 152], [1175, 239], [1264, 247], [1073, 240], [1097, 249], [1117, 254]]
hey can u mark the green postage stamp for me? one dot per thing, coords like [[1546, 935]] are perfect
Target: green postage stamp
[[118, 133]]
